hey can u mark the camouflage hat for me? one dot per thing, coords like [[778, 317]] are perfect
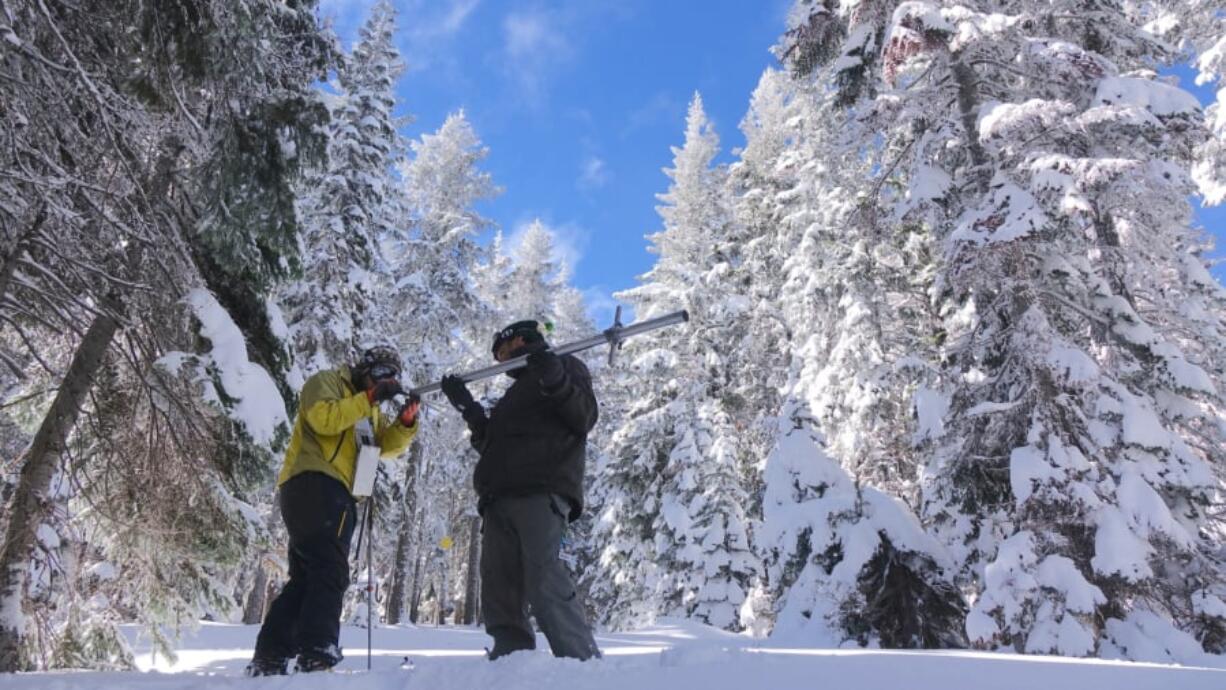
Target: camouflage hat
[[381, 355]]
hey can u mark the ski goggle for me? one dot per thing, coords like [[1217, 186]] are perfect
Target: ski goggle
[[383, 371]]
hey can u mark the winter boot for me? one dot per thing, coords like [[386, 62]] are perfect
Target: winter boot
[[262, 666], [322, 659], [506, 642]]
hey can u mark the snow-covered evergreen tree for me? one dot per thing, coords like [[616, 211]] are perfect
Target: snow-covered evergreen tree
[[434, 292], [350, 207], [1054, 182], [180, 165], [845, 559], [848, 562], [672, 498], [535, 277], [760, 187], [441, 323]]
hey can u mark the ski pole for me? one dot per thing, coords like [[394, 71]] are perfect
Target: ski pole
[[370, 585], [613, 336]]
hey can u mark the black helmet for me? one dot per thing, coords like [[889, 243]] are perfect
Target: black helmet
[[531, 331], [380, 356]]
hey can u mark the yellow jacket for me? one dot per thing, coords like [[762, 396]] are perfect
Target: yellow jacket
[[324, 438]]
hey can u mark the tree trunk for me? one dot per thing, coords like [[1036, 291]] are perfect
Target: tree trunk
[[415, 599], [968, 109], [470, 578], [9, 267], [444, 590], [29, 500], [395, 600], [396, 597], [257, 600]]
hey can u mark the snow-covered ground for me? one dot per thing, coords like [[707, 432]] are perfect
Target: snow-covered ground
[[667, 657]]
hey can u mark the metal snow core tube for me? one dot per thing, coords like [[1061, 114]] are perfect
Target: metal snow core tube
[[613, 337]]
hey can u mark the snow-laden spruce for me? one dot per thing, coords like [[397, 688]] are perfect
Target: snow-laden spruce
[[848, 562], [1079, 454], [349, 207], [151, 169], [670, 492], [435, 313]]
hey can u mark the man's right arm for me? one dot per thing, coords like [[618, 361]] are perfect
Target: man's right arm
[[474, 417], [328, 408], [472, 411]]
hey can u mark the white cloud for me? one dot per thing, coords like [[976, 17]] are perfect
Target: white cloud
[[538, 44], [431, 28], [601, 306], [455, 17], [527, 34], [593, 173], [424, 27], [662, 108], [429, 22], [344, 8], [345, 17], [534, 43]]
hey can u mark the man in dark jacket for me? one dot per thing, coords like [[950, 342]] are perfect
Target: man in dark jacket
[[529, 483]]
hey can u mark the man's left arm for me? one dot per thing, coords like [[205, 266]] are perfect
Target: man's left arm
[[572, 394]]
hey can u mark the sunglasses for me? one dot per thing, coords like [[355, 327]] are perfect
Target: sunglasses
[[382, 371]]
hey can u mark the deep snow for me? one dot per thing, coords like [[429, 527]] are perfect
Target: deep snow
[[670, 656]]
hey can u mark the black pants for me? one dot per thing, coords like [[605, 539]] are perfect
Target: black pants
[[305, 617], [521, 571]]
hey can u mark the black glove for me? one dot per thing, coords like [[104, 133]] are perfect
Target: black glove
[[548, 367], [457, 393], [385, 389]]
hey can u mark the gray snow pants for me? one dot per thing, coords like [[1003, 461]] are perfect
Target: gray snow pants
[[520, 568]]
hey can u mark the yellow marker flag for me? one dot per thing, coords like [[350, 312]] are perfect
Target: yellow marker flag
[[446, 543]]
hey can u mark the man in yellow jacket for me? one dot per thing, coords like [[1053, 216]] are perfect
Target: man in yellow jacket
[[319, 509]]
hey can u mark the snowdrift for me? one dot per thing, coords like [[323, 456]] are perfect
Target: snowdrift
[[669, 656]]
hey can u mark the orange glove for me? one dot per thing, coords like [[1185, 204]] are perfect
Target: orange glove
[[408, 413]]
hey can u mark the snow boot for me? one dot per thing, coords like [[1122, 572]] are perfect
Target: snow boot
[[261, 666], [322, 659], [503, 647]]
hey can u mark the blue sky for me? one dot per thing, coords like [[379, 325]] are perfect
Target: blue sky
[[579, 103]]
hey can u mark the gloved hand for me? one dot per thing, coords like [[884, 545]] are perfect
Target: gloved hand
[[549, 367], [457, 393], [408, 413], [384, 389]]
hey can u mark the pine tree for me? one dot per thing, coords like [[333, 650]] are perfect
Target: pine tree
[[670, 487], [434, 291], [761, 186], [536, 275], [350, 207], [845, 561], [845, 558], [440, 320], [180, 165], [1063, 460]]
